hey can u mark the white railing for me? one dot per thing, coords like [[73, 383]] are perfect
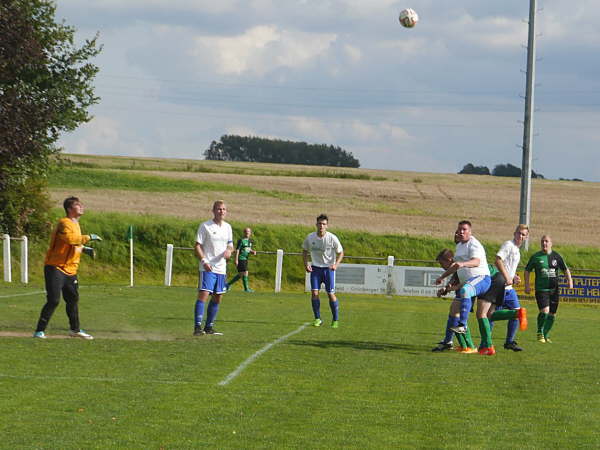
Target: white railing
[[169, 264], [7, 259], [278, 265]]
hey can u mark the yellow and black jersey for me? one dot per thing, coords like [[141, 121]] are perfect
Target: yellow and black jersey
[[65, 246]]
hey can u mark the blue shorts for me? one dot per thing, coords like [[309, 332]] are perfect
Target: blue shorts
[[511, 300], [211, 282], [322, 275], [477, 285]]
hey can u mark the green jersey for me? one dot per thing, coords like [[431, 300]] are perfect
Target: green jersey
[[493, 269], [546, 266], [244, 246]]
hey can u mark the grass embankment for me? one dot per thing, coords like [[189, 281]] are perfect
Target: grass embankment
[[153, 233]]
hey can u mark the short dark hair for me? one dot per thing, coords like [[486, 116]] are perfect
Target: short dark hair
[[465, 222], [68, 203], [445, 255], [321, 217]]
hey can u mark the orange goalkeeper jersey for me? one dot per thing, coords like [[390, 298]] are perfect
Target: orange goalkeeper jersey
[[65, 246]]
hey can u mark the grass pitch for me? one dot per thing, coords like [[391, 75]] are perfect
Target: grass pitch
[[146, 382]]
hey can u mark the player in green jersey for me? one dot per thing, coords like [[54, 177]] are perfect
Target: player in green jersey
[[243, 250], [546, 264]]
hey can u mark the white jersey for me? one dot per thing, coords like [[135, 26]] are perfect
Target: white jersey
[[469, 250], [322, 250], [510, 255], [214, 240]]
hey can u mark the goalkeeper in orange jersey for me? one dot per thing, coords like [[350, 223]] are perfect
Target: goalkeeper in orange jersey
[[60, 269]]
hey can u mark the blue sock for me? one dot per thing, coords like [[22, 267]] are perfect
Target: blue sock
[[335, 308], [198, 312], [465, 309], [452, 322], [316, 307], [511, 329], [211, 313]]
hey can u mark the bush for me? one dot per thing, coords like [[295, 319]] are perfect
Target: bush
[[25, 209]]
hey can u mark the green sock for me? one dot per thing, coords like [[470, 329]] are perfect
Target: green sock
[[486, 332], [234, 279], [548, 324], [541, 318], [245, 282], [461, 340], [468, 339], [504, 314]]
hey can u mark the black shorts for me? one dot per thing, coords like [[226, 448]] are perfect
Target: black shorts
[[495, 294], [242, 265], [547, 298]]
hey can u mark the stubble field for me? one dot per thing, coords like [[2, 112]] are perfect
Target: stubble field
[[422, 204]]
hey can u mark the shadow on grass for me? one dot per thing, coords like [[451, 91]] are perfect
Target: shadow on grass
[[361, 345], [261, 322]]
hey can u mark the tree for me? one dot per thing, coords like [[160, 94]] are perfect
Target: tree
[[45, 90], [255, 149], [508, 170], [475, 170]]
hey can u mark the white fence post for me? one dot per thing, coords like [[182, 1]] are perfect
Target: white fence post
[[390, 284], [7, 261], [131, 262], [169, 265], [278, 270], [24, 260]]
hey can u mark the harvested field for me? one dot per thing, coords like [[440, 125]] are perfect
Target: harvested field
[[405, 203]]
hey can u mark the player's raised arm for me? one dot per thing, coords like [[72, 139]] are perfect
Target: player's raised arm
[[449, 271]]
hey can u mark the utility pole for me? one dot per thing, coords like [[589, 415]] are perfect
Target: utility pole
[[525, 208]]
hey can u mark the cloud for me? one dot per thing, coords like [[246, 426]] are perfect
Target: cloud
[[262, 49], [176, 75], [102, 135]]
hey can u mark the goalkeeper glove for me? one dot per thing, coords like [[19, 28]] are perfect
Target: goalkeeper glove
[[95, 237], [90, 252]]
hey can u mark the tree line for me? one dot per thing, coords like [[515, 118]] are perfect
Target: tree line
[[257, 149], [500, 170]]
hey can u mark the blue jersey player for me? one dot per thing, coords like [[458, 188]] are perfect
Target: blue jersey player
[[326, 253]]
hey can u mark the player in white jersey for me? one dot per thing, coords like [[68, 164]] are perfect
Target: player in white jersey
[[501, 295], [470, 264], [326, 254], [214, 245]]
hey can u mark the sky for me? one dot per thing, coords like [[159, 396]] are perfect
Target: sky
[[176, 75]]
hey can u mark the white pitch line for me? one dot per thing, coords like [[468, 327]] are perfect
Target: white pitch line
[[111, 380], [251, 359], [21, 295]]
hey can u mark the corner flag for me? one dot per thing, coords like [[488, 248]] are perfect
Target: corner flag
[[129, 233]]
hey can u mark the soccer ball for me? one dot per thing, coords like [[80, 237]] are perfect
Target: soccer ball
[[408, 18]]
